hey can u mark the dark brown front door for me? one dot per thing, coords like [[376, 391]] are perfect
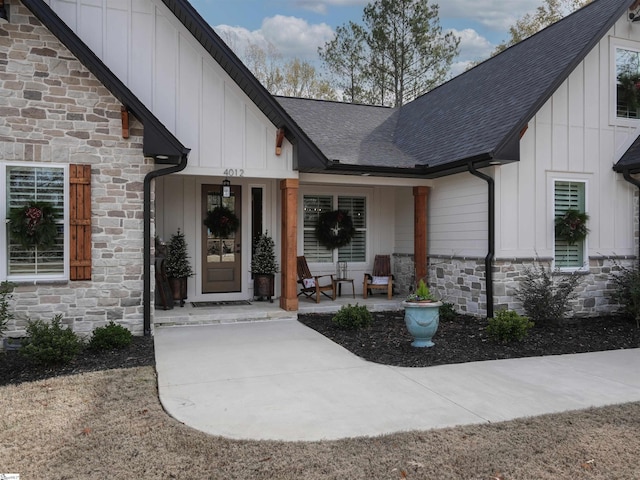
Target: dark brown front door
[[221, 261]]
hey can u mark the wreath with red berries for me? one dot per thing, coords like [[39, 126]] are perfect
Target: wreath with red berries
[[222, 222], [34, 225], [335, 229], [572, 226]]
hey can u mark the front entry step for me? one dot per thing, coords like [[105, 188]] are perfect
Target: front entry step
[[198, 316]]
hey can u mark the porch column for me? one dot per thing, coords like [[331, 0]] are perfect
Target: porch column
[[289, 244], [420, 231]]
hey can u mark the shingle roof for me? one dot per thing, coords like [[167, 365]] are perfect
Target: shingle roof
[[350, 133], [477, 116], [630, 161], [482, 111]]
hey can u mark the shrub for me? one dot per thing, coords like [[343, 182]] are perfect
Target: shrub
[[508, 326], [544, 298], [352, 317], [49, 343], [5, 313], [447, 312], [110, 337], [627, 291]]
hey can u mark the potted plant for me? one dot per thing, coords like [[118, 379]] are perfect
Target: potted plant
[[178, 267], [263, 267], [421, 315]]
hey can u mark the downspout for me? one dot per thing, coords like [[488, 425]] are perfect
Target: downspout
[[146, 294], [488, 260], [627, 176]]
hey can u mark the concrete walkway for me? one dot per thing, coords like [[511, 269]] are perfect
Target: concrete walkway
[[281, 380]]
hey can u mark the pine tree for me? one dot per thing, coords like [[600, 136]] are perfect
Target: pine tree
[[177, 262], [264, 258]]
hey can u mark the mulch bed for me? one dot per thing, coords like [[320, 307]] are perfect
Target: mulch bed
[[14, 368], [465, 339], [457, 341]]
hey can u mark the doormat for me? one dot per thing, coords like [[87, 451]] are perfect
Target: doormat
[[227, 303]]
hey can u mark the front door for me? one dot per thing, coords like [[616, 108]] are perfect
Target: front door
[[221, 262]]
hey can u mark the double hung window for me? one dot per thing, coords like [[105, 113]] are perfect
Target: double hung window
[[313, 207], [569, 195]]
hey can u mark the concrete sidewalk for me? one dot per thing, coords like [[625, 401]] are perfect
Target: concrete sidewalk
[[281, 380]]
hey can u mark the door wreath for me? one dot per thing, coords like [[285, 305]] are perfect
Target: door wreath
[[572, 226], [221, 221], [34, 225], [335, 229]]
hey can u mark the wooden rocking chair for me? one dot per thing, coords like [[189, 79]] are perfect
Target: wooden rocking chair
[[311, 285], [381, 277]]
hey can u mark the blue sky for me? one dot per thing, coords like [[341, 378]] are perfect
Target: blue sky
[[297, 27]]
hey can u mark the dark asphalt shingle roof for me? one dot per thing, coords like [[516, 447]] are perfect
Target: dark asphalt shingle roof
[[477, 116]]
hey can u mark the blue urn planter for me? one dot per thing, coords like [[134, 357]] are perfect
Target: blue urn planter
[[422, 320]]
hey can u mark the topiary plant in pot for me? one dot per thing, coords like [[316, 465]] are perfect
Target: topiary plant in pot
[[178, 267], [422, 315], [264, 267]]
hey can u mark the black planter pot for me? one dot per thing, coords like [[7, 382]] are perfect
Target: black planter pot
[[263, 285], [179, 289]]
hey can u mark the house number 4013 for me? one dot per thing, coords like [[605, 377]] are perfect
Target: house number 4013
[[234, 172]]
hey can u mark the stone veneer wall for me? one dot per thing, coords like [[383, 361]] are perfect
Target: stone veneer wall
[[461, 281], [53, 110]]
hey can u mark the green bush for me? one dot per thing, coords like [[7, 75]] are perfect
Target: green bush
[[49, 343], [508, 326], [110, 337], [627, 291], [5, 313], [543, 298], [448, 312], [352, 317]]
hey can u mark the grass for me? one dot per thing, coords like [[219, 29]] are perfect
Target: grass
[[110, 424]]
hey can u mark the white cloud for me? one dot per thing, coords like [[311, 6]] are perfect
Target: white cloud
[[473, 46], [292, 36], [494, 14]]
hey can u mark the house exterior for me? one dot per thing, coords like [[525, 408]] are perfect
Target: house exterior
[[139, 106]]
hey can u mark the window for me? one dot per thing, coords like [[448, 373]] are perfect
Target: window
[[24, 184], [569, 195], [313, 206], [627, 83]]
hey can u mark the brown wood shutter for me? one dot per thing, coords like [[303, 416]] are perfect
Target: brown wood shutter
[[80, 222]]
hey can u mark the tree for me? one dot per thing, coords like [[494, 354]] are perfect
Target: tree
[[398, 54], [549, 12], [295, 78]]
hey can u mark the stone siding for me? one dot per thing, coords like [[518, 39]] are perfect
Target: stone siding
[[53, 110], [462, 282], [404, 273]]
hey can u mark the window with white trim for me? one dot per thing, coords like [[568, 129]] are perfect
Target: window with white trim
[[313, 206], [21, 185], [569, 195], [627, 71]]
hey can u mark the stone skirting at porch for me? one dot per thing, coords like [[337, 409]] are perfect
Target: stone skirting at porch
[[462, 281]]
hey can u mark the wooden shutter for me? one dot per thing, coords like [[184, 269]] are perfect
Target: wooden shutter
[[569, 195], [80, 222]]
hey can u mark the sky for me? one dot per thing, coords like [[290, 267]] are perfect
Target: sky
[[298, 27]]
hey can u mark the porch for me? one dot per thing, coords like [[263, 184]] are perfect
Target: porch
[[259, 311]]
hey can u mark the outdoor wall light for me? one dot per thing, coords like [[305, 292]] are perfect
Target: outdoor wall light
[[4, 12], [226, 188]]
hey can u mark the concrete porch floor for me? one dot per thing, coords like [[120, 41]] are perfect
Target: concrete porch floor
[[264, 311]]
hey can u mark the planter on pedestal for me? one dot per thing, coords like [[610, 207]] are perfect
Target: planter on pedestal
[[422, 319], [179, 289], [263, 267], [263, 285]]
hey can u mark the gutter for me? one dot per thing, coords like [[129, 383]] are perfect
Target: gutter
[[491, 247], [146, 294], [627, 176]]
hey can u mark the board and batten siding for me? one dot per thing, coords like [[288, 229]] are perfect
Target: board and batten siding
[[143, 43], [574, 136]]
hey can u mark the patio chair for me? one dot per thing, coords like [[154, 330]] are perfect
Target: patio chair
[[381, 278], [311, 285]]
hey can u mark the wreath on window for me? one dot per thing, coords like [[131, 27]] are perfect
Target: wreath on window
[[335, 229], [221, 221], [34, 225], [572, 226]]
